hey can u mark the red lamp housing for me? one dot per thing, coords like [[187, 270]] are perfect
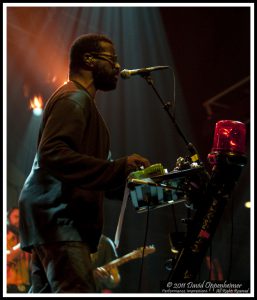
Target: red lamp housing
[[229, 136], [229, 141]]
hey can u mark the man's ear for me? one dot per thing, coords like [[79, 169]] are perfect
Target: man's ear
[[89, 60]]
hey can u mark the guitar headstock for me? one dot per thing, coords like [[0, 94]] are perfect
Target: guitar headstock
[[140, 251]]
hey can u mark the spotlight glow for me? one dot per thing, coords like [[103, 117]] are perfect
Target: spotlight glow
[[37, 111], [248, 204], [36, 104]]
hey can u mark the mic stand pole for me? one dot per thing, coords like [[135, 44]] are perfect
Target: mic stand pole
[[166, 106]]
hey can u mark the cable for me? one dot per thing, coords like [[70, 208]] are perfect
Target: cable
[[174, 92], [174, 218], [231, 239], [210, 269], [143, 253]]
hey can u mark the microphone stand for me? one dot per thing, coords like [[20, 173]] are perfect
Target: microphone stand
[[212, 198], [166, 106]]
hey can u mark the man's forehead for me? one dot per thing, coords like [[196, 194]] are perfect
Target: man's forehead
[[106, 46]]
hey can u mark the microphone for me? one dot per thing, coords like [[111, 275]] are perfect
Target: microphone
[[127, 73]]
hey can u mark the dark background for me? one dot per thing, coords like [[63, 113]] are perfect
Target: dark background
[[209, 51]]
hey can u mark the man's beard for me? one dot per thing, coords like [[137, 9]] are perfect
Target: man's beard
[[104, 81]]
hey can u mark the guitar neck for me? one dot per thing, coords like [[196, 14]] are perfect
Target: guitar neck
[[119, 261], [132, 255]]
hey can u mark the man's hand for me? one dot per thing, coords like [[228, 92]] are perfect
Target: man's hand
[[110, 279], [101, 274], [135, 161]]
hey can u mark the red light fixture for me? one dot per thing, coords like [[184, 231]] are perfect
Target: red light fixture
[[229, 136], [229, 139]]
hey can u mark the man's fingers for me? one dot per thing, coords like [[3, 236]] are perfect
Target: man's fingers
[[138, 161]]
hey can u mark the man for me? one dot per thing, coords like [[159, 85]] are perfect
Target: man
[[18, 273], [106, 280], [61, 203]]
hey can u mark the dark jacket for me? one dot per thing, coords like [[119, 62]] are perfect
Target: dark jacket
[[62, 198]]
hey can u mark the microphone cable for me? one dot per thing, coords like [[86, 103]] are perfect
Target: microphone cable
[[173, 105], [168, 104]]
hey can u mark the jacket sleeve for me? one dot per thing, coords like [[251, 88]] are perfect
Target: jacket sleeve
[[58, 150]]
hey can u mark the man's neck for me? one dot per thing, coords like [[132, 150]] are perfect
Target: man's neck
[[86, 80]]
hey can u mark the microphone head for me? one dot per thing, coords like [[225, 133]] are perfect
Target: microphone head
[[125, 74], [143, 72]]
